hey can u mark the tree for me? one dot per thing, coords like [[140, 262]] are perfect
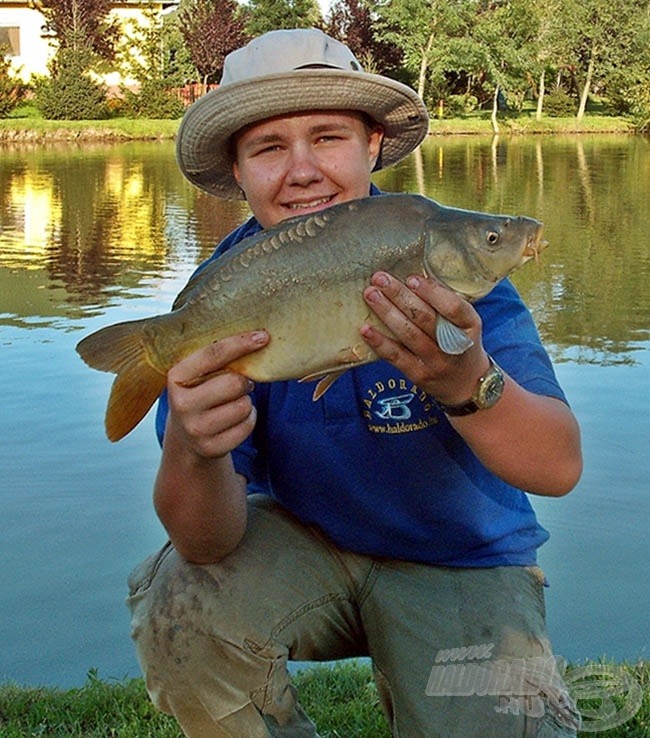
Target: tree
[[269, 15], [143, 57], [12, 90], [423, 30], [81, 25], [604, 36], [85, 37], [354, 23], [212, 29]]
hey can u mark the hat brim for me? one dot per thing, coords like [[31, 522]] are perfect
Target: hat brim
[[203, 141]]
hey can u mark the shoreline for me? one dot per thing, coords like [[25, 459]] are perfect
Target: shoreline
[[35, 130]]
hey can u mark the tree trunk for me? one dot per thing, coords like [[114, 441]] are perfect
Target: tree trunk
[[586, 88], [495, 105], [540, 95], [424, 65]]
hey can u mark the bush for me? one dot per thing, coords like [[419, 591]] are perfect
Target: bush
[[154, 100], [12, 90], [456, 106], [640, 108], [70, 94], [559, 104]]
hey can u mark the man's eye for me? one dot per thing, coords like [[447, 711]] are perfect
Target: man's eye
[[271, 148]]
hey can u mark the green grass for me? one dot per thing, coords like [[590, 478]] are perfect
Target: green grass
[[525, 123], [342, 701], [126, 129], [24, 124]]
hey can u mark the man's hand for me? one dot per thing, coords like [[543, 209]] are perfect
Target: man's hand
[[409, 310], [210, 410]]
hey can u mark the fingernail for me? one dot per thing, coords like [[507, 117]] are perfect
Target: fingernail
[[381, 280], [373, 295], [259, 337], [413, 282]]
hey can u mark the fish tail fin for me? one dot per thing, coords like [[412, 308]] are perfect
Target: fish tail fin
[[121, 349]]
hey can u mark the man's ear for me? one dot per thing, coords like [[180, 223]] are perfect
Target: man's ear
[[375, 142]]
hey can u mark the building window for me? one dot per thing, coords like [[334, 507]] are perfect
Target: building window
[[10, 40]]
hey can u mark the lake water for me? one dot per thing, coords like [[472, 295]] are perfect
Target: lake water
[[90, 235]]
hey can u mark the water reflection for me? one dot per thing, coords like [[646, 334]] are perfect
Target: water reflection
[[93, 234], [81, 225], [590, 293]]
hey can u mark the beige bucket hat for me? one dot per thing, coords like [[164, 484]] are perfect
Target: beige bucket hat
[[284, 72]]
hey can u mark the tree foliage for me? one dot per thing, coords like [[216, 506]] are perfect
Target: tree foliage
[[145, 59], [70, 94], [354, 22], [12, 89], [457, 53], [212, 29], [476, 48], [424, 30], [81, 24], [269, 15], [85, 37]]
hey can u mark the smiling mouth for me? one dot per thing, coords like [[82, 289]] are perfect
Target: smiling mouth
[[296, 206]]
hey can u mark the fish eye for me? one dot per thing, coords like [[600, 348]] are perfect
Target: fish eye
[[492, 237]]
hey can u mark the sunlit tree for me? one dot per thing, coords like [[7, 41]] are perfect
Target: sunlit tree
[[269, 15]]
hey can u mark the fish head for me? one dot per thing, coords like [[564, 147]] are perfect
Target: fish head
[[471, 252]]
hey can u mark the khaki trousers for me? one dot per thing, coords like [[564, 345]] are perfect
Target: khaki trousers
[[214, 641]]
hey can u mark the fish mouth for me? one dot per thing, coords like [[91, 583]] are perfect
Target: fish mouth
[[535, 245]]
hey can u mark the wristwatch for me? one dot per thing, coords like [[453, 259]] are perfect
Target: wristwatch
[[487, 393]]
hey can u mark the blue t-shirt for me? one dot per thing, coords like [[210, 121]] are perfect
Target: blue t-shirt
[[377, 466]]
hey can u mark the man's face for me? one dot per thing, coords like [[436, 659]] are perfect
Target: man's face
[[304, 162]]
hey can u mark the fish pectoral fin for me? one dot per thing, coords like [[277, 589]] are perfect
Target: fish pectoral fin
[[451, 339], [325, 383], [325, 380], [349, 358]]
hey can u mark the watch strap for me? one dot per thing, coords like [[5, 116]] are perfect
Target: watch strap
[[473, 403]]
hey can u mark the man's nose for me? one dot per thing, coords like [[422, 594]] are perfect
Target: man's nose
[[304, 166]]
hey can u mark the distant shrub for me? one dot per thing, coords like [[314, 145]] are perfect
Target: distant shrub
[[69, 93], [559, 104], [153, 100], [459, 105], [640, 108]]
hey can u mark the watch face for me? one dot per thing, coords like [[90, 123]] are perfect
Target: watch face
[[491, 388]]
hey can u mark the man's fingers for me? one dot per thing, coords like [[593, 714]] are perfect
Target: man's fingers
[[212, 359]]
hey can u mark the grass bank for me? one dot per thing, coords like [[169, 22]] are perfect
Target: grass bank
[[37, 130], [525, 123], [341, 700], [27, 128]]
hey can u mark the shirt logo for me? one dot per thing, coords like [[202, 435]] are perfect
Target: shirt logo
[[396, 405], [395, 408]]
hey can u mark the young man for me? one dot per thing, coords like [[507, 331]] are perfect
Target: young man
[[298, 530]]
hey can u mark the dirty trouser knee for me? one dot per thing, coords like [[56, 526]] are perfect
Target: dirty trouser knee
[[458, 636], [213, 641]]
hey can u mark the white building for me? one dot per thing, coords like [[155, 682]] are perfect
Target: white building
[[21, 33]]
